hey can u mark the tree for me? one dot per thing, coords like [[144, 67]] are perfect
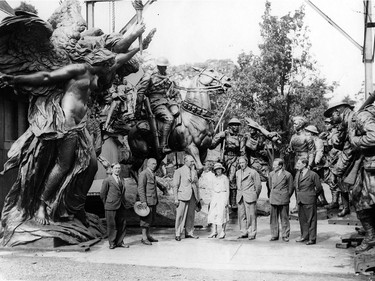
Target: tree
[[349, 100], [26, 7], [282, 81]]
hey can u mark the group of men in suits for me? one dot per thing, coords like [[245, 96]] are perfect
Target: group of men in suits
[[307, 186], [186, 192], [185, 185]]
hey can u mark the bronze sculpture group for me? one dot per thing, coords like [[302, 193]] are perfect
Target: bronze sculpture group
[[65, 70]]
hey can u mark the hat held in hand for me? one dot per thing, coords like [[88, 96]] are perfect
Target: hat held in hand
[[140, 209]]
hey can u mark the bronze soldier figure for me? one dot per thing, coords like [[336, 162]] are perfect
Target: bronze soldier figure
[[301, 145], [356, 162], [330, 158], [318, 159], [233, 147], [155, 86]]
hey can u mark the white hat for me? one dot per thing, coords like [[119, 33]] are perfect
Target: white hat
[[140, 209]]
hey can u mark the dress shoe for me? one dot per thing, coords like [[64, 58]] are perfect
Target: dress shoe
[[212, 235], [222, 235], [178, 238], [152, 239], [242, 236], [146, 242], [285, 239], [191, 236], [112, 247], [251, 237], [311, 242], [123, 245], [301, 240], [274, 238]]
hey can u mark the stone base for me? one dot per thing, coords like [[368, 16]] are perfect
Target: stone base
[[350, 219], [365, 262]]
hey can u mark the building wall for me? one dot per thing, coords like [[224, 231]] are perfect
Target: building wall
[[13, 123]]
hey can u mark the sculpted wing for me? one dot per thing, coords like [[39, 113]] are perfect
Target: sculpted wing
[[25, 47]]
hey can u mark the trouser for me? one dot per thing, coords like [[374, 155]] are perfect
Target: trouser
[[282, 212], [116, 225], [147, 221], [247, 218], [185, 214], [307, 216]]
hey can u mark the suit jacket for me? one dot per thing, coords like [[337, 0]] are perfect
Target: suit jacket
[[112, 194], [185, 184], [308, 187], [147, 187], [249, 185], [281, 187]]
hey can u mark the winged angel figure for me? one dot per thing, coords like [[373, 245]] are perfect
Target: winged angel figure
[[58, 65]]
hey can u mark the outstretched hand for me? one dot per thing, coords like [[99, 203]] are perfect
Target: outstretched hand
[[139, 28], [6, 80]]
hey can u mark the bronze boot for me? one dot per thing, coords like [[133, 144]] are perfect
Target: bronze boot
[[345, 202], [369, 241], [164, 138], [334, 204]]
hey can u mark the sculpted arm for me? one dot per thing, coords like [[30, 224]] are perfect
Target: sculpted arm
[[123, 45], [142, 181], [319, 148], [311, 151], [367, 140], [218, 138], [46, 78], [144, 84]]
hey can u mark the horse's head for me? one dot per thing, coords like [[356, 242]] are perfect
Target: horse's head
[[209, 77]]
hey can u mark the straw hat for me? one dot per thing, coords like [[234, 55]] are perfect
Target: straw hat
[[219, 166], [140, 209]]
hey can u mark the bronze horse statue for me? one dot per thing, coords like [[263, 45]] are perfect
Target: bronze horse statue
[[193, 133]]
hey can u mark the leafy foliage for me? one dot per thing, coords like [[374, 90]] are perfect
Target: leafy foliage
[[282, 81]]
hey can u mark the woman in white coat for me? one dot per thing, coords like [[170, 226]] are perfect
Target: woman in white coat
[[218, 213]]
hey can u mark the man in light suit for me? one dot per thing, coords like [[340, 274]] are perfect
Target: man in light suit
[[281, 187], [308, 187], [186, 193], [148, 196], [249, 187], [113, 197]]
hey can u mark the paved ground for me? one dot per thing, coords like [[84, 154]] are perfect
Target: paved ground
[[194, 259], [261, 257]]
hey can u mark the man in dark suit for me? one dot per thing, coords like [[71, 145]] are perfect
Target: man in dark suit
[[308, 187], [281, 187], [249, 187], [148, 196], [113, 197]]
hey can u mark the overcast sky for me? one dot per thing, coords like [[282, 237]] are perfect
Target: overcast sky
[[196, 30]]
